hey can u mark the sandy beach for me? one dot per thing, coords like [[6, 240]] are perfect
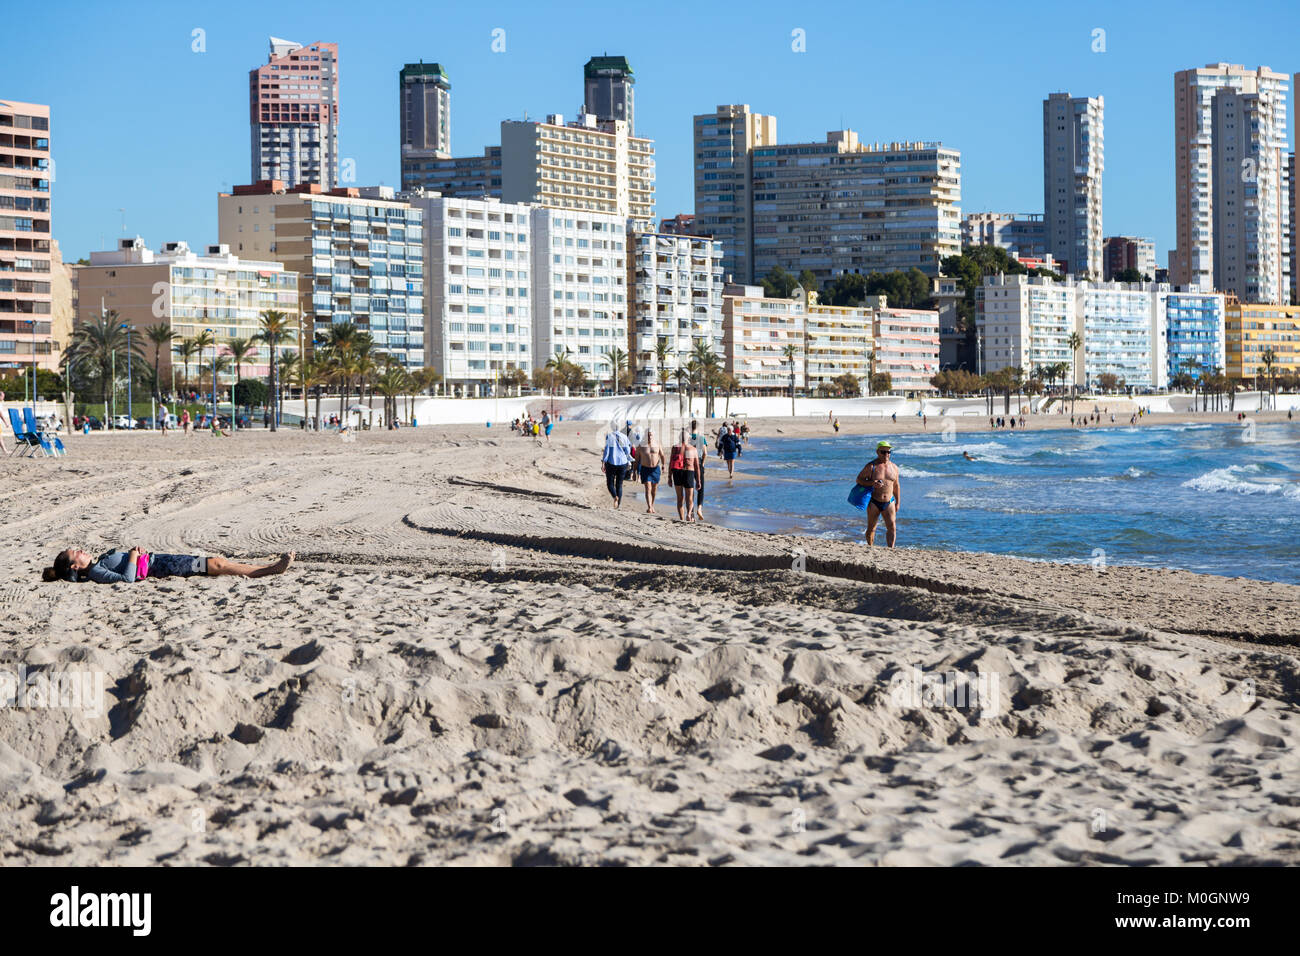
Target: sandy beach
[[476, 660]]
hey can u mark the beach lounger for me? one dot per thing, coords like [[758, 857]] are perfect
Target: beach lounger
[[46, 440], [22, 437]]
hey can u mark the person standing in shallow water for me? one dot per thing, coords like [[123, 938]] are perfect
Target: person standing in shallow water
[[881, 477]]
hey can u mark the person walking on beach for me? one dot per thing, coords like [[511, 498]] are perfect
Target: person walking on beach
[[185, 422], [128, 567], [729, 448], [683, 474], [650, 460], [702, 448], [880, 475], [615, 461]]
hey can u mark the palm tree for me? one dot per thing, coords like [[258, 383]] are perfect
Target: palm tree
[[275, 328], [702, 355], [1193, 366], [729, 384], [661, 366], [693, 372], [239, 351], [160, 335], [95, 347], [186, 351], [311, 373], [558, 365], [616, 359], [790, 351], [1075, 341], [390, 383], [1269, 358], [682, 376]]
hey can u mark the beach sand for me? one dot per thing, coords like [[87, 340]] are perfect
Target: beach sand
[[476, 660]]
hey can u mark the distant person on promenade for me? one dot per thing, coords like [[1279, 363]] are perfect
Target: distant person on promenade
[[729, 448], [684, 475], [880, 475], [128, 567], [650, 461], [702, 448], [615, 462]]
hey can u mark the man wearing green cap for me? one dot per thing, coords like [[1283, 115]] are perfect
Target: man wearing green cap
[[881, 476]]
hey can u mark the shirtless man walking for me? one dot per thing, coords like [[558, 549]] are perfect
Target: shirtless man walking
[[650, 459], [881, 476]]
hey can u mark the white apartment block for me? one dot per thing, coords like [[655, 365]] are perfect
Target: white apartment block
[[676, 284], [838, 341], [1026, 322], [593, 166], [755, 333], [906, 345], [580, 283], [478, 291]]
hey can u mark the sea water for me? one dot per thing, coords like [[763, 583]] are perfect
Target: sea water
[[1220, 499]]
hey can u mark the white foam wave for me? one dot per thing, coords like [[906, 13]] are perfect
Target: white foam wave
[[1230, 479]]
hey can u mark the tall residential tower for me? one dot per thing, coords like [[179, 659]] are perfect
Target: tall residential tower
[[724, 143], [1232, 194], [293, 105], [607, 90], [425, 111], [1073, 160]]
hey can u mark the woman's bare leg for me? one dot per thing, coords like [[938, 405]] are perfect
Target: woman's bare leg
[[219, 566]]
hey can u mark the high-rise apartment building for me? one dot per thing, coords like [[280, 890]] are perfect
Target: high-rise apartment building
[[478, 290], [1129, 252], [1026, 321], [189, 292], [845, 206], [424, 108], [26, 334], [1231, 182], [580, 283], [1022, 235], [593, 166], [676, 287], [1255, 328], [607, 90], [1073, 161], [724, 144], [359, 254], [755, 334], [293, 103]]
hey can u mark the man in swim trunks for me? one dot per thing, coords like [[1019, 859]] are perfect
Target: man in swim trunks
[[881, 476], [650, 461]]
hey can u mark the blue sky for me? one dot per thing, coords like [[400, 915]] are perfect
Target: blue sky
[[142, 122]]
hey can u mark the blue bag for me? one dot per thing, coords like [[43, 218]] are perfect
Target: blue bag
[[859, 496]]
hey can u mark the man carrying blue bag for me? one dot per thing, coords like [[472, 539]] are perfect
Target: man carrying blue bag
[[879, 492]]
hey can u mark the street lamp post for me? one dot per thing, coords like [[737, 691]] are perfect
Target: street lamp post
[[214, 375], [130, 411]]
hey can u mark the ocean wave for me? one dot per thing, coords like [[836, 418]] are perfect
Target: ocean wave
[[946, 449], [908, 472], [1230, 479]]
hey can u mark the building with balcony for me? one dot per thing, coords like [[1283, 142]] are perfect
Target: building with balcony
[[592, 165], [1194, 331], [838, 340], [755, 334], [424, 110], [1232, 193], [580, 287], [676, 287], [1026, 322], [724, 142], [1023, 235], [26, 332], [190, 292], [1073, 162], [478, 290], [906, 345], [465, 177], [293, 106], [359, 254], [1251, 329], [846, 206], [1129, 252]]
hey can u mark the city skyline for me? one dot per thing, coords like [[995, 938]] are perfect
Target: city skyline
[[108, 131]]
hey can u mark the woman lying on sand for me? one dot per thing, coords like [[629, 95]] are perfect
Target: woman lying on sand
[[137, 564]]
